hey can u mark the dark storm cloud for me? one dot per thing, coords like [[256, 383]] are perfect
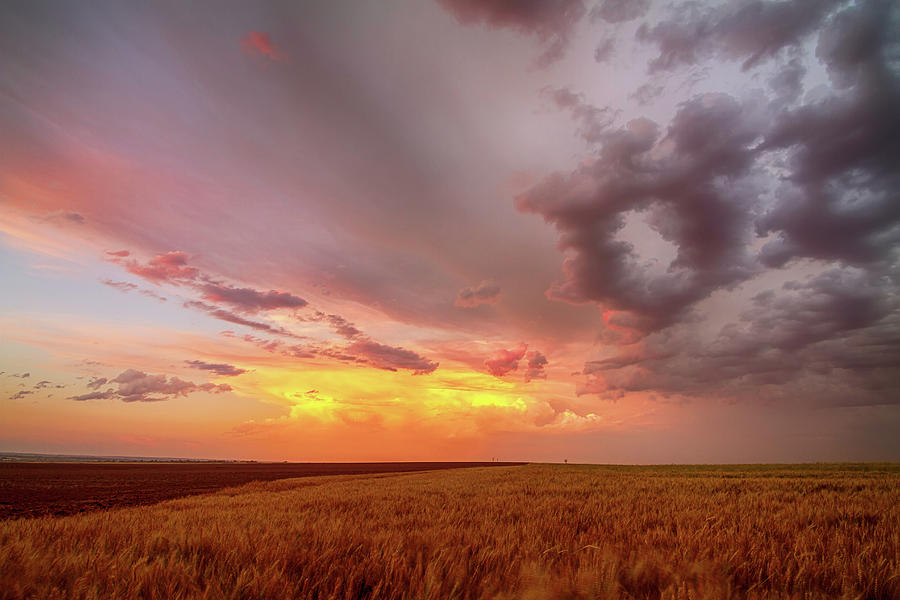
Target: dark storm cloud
[[217, 368], [748, 31], [818, 179], [551, 21], [485, 292], [840, 201], [690, 195], [787, 83], [137, 386], [834, 339]]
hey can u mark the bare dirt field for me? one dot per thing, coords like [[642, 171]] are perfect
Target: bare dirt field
[[57, 489]]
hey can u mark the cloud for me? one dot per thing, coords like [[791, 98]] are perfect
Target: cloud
[[217, 368], [122, 286], [551, 21], [21, 375], [814, 177], [249, 300], [118, 253], [503, 361], [20, 394], [260, 43], [605, 50], [96, 382], [593, 122], [230, 317], [619, 11], [94, 396], [171, 268], [831, 339], [391, 358], [536, 363], [340, 325], [138, 386], [267, 345], [839, 202], [485, 292], [154, 295], [687, 184], [750, 31], [42, 384]]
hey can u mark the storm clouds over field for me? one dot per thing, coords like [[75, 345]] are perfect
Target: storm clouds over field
[[604, 230]]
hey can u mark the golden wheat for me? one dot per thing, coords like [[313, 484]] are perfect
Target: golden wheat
[[539, 531]]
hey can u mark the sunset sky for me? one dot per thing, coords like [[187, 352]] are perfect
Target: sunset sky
[[603, 231]]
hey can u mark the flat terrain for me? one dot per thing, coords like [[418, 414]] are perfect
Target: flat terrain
[[36, 489], [534, 531]]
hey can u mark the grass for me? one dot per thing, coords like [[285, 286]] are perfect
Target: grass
[[538, 531]]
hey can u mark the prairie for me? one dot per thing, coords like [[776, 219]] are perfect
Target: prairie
[[534, 531]]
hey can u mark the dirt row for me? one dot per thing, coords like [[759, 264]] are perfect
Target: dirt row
[[39, 489]]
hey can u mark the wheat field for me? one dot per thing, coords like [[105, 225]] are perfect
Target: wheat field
[[535, 531]]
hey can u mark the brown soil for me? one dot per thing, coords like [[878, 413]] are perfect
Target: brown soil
[[38, 489]]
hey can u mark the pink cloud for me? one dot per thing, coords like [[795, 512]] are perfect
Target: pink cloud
[[505, 361], [171, 267], [258, 42]]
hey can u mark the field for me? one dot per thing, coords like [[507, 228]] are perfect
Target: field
[[32, 489], [534, 531]]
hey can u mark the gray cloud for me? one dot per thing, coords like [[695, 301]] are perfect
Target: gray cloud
[[96, 382], [137, 386], [536, 363], [391, 358], [249, 300], [485, 292], [751, 31], [834, 339], [217, 368], [815, 177], [619, 11], [551, 21], [686, 182]]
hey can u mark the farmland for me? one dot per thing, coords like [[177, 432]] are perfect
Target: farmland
[[533, 531], [31, 489]]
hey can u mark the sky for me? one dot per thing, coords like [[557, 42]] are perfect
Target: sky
[[600, 231]]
